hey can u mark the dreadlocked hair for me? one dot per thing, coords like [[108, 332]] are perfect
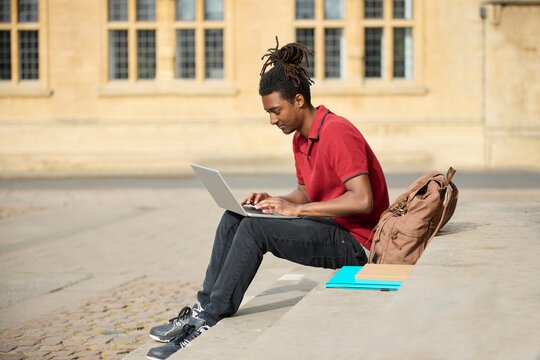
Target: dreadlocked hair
[[287, 75]]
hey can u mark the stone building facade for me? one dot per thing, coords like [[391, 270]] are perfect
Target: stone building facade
[[148, 86]]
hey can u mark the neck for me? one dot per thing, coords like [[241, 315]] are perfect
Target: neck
[[308, 121]]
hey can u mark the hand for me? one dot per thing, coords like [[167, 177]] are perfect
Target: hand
[[254, 198], [278, 205]]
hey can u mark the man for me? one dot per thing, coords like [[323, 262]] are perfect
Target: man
[[340, 195]]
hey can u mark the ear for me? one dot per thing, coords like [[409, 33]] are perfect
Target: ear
[[299, 101]]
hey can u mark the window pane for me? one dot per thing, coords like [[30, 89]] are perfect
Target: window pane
[[146, 54], [373, 9], [5, 11], [333, 40], [118, 10], [118, 54], [373, 48], [5, 55], [403, 53], [28, 55], [402, 9], [305, 9], [333, 9], [213, 10], [146, 10], [306, 37], [185, 10], [213, 52], [185, 54], [28, 10]]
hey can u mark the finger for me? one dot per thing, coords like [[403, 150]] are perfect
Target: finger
[[266, 203], [258, 198], [249, 199]]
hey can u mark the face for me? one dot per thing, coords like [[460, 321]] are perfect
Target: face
[[283, 114]]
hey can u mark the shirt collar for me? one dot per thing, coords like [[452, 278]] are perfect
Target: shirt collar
[[318, 120]]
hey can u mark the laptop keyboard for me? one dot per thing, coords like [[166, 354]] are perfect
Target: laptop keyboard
[[251, 209]]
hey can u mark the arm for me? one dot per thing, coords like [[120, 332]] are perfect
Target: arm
[[297, 196], [357, 199]]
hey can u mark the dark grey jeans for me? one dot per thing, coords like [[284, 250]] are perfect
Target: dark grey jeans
[[241, 242]]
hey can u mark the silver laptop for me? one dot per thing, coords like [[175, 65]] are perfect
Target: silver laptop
[[223, 196]]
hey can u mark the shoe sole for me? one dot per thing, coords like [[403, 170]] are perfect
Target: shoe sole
[[152, 358], [160, 340]]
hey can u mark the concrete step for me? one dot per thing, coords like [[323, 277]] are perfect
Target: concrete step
[[278, 285], [472, 295], [231, 336]]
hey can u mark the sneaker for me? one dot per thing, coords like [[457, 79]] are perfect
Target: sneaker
[[197, 309], [189, 332], [167, 332]]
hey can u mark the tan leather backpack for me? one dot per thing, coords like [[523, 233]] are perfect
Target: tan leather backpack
[[408, 225]]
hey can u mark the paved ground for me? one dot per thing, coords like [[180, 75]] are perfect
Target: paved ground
[[87, 266]]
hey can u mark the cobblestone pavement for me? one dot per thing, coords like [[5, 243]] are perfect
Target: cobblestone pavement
[[107, 326]]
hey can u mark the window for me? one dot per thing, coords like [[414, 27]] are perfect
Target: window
[[213, 10], [132, 25], [403, 53], [5, 11], [333, 9], [373, 9], [368, 44], [205, 59], [185, 10], [19, 40], [118, 54], [146, 54], [307, 37], [146, 10], [5, 55], [213, 53], [402, 9], [320, 27], [118, 10], [333, 39], [27, 10], [388, 39], [373, 49], [28, 55], [305, 9], [185, 54]]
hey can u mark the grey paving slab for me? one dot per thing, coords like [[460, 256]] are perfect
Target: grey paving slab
[[15, 288]]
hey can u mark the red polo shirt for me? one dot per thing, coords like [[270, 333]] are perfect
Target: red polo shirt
[[335, 152]]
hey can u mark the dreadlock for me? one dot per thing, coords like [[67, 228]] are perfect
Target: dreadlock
[[287, 76]]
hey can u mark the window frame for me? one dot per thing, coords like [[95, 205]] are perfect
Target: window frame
[[388, 23], [131, 25], [353, 81], [319, 24], [16, 86], [200, 25], [166, 83]]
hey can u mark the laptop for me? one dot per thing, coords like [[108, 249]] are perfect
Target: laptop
[[223, 196]]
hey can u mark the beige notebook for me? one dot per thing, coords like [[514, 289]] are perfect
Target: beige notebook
[[384, 272]]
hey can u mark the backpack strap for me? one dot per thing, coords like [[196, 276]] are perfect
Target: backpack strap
[[449, 175], [450, 204]]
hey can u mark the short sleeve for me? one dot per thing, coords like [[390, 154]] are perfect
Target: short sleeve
[[299, 176], [297, 159], [345, 149]]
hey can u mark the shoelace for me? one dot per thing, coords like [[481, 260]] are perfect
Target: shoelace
[[187, 330], [183, 314], [188, 334]]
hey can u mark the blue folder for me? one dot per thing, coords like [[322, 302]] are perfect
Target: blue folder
[[345, 279]]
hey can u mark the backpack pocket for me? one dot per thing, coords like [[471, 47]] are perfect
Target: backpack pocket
[[408, 244]]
